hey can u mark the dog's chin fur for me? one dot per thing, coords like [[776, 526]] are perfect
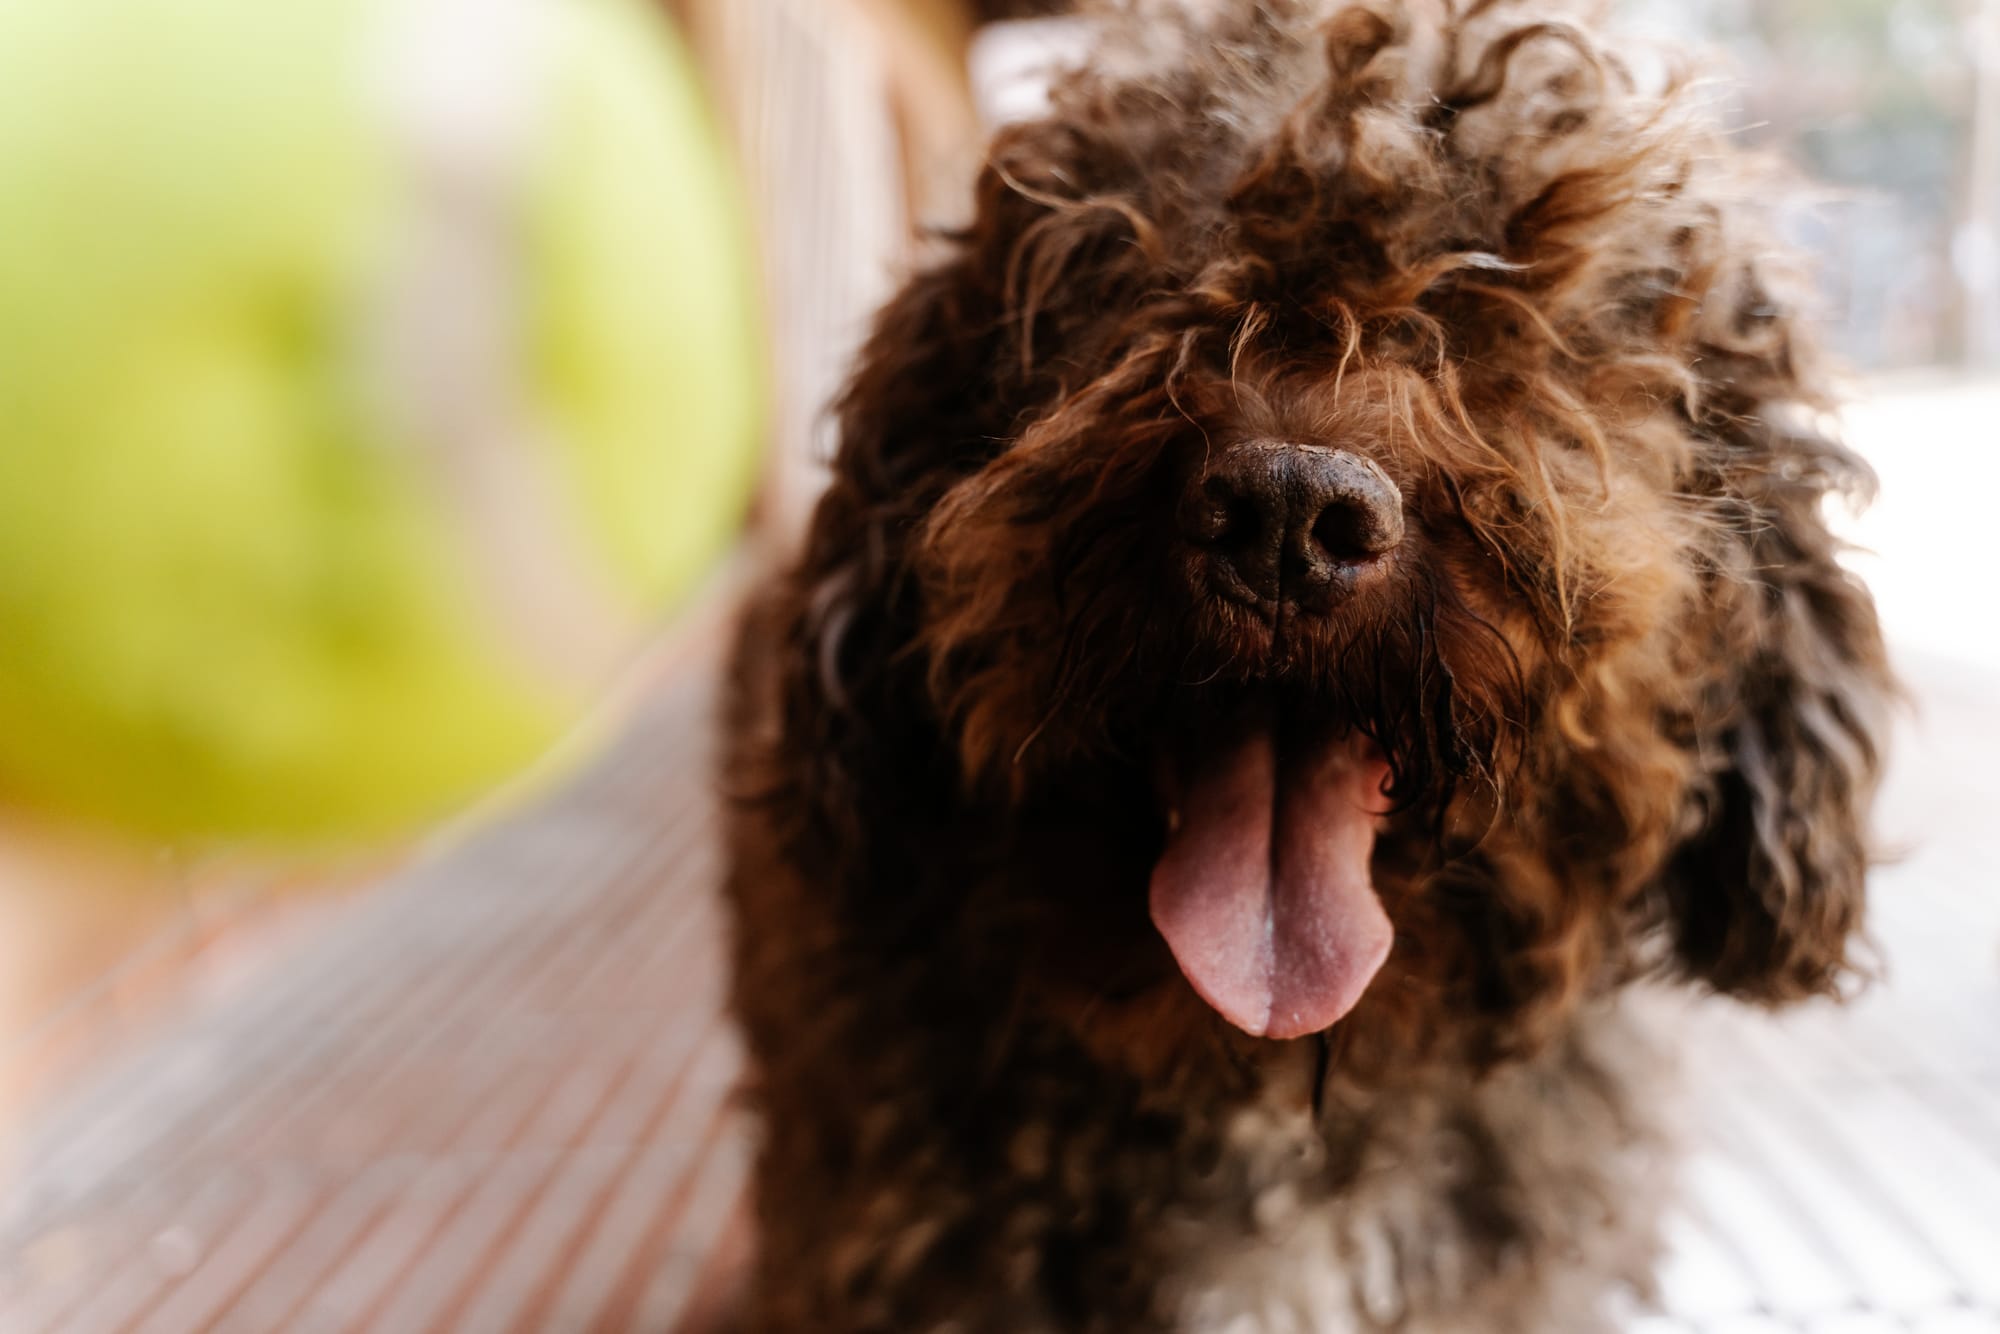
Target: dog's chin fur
[[1629, 701]]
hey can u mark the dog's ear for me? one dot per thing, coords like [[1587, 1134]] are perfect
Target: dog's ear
[[946, 379], [917, 407], [931, 396], [940, 385], [1768, 892]]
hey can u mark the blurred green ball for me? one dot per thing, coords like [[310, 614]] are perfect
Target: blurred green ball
[[373, 373]]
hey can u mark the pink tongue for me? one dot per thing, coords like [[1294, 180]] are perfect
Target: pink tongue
[[1263, 893]]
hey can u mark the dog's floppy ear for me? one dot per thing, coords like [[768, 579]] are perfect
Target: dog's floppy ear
[[847, 612], [941, 386], [937, 389], [1769, 890], [930, 397]]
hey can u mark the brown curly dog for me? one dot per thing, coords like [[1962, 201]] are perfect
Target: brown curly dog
[[1323, 589]]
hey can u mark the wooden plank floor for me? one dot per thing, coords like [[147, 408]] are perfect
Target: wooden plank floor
[[494, 1093], [494, 1096]]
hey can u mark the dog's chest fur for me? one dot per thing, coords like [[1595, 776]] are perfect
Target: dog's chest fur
[[1447, 1218]]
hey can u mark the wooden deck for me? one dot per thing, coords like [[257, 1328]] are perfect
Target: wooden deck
[[494, 1096], [493, 1093]]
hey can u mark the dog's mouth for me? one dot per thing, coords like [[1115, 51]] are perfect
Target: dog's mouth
[[1264, 891]]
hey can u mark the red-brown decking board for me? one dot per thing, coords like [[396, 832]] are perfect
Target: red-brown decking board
[[495, 1095]]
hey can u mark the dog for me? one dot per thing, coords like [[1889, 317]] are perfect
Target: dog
[[1322, 603]]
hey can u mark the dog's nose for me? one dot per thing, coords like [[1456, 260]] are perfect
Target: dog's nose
[[1295, 520]]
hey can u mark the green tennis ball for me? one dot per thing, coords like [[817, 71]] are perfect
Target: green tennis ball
[[373, 373]]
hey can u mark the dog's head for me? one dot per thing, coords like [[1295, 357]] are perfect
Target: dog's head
[[1383, 440]]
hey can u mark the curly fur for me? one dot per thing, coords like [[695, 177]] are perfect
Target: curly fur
[[1630, 699]]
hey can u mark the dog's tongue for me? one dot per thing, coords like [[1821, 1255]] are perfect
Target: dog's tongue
[[1264, 893]]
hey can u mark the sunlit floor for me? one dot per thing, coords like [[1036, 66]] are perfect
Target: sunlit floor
[[1847, 1175], [492, 1094]]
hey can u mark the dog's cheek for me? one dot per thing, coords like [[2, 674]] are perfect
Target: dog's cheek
[[1049, 597], [983, 681], [992, 632]]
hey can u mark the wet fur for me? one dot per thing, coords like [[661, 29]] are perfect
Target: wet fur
[[1632, 702]]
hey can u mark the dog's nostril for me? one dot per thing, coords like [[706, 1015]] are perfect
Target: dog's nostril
[[1243, 523], [1223, 517], [1351, 530]]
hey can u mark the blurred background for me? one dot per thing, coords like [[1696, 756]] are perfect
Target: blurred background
[[442, 1051]]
